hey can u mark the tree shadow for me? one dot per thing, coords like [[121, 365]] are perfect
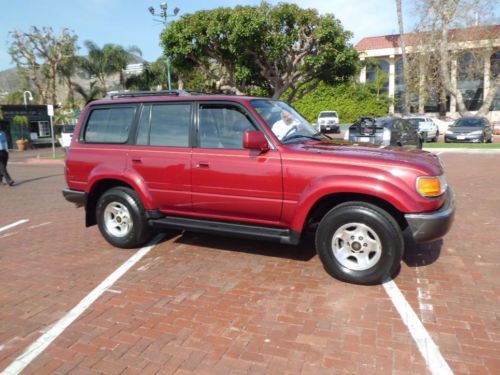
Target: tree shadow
[[303, 252], [420, 254], [17, 183]]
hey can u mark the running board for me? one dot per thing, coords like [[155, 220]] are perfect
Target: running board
[[284, 236]]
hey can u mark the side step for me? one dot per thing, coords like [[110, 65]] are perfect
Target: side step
[[284, 236]]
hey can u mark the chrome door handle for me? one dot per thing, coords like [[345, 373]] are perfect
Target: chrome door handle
[[203, 164]]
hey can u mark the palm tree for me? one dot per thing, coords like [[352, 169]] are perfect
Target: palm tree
[[94, 92], [110, 59], [67, 69]]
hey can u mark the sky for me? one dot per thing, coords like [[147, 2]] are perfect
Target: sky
[[128, 22]]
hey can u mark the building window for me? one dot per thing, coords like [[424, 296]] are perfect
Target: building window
[[377, 75], [470, 79], [43, 129]]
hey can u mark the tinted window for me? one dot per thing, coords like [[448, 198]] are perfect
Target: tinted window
[[327, 114], [222, 126], [168, 124], [109, 125]]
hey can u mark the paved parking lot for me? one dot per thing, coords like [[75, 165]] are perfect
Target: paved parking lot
[[205, 304]]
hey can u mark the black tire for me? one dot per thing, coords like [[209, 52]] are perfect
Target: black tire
[[139, 233], [388, 236]]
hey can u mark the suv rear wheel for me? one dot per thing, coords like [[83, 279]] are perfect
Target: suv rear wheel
[[121, 220], [359, 243]]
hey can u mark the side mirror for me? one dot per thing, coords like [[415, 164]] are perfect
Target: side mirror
[[255, 140]]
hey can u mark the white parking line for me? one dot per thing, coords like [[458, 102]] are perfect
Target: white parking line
[[429, 350], [2, 229], [48, 337]]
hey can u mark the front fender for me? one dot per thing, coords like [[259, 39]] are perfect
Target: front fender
[[320, 187]]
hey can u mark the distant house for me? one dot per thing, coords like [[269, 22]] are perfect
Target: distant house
[[38, 132], [475, 46]]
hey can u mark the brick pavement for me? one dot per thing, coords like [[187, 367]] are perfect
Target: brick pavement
[[207, 305]]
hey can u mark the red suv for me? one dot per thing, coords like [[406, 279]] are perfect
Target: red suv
[[251, 167]]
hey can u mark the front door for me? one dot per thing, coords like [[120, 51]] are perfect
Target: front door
[[228, 181]]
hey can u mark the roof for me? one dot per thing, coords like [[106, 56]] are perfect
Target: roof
[[455, 35]]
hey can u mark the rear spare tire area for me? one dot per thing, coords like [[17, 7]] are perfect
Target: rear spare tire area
[[121, 219], [359, 243]]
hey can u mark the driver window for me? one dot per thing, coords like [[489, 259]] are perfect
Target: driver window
[[222, 126]]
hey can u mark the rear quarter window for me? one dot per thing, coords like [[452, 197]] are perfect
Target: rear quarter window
[[109, 125]]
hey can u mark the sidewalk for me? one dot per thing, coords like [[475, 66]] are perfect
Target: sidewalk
[[37, 156]]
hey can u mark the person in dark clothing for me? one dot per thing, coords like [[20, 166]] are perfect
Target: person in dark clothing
[[4, 158]]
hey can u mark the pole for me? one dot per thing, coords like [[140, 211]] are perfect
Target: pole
[[168, 75], [52, 136]]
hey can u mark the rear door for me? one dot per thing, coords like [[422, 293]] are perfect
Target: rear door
[[228, 181], [161, 155]]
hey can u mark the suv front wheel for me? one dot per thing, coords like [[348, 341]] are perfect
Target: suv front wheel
[[121, 220], [359, 243]]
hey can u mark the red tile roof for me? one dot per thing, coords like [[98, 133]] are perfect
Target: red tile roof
[[455, 35]]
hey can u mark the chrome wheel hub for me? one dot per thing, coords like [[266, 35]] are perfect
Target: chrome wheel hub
[[356, 246], [117, 219]]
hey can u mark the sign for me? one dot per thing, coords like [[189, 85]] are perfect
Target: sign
[[50, 109]]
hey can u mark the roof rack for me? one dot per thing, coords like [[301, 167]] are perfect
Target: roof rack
[[133, 94]]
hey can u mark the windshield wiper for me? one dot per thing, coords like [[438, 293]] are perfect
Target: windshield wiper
[[319, 134], [295, 136]]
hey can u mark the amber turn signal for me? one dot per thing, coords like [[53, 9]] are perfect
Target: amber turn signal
[[431, 186]]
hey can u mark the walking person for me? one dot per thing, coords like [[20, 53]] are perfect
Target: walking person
[[4, 158]]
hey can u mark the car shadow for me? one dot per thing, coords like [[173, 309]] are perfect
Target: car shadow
[[21, 182], [420, 254], [304, 252]]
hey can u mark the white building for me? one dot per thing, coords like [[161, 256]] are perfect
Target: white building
[[476, 45]]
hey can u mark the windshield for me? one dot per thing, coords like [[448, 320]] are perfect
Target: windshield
[[327, 114], [479, 122], [415, 121], [285, 122], [68, 128]]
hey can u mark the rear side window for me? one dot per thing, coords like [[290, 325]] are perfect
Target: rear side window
[[165, 125], [109, 125]]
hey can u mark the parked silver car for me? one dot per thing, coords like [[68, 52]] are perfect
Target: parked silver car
[[470, 129], [426, 127], [388, 131]]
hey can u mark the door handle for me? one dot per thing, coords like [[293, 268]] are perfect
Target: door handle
[[203, 164], [138, 160]]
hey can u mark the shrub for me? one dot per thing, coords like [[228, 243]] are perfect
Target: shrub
[[350, 100]]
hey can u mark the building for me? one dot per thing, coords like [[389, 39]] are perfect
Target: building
[[38, 130], [475, 47]]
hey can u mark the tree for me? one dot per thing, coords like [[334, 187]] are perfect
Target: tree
[[402, 44], [110, 59], [67, 69], [152, 76], [38, 54], [279, 49], [94, 92], [436, 20]]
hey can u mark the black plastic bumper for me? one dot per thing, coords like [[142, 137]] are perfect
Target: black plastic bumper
[[432, 226], [75, 196]]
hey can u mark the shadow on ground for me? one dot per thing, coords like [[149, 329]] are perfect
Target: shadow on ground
[[21, 182], [304, 252], [421, 254]]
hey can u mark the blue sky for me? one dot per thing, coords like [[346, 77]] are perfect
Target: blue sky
[[128, 22]]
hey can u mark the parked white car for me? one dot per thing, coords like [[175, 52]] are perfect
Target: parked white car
[[66, 135], [328, 121], [427, 125]]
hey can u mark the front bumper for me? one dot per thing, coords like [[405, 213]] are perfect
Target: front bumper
[[434, 225], [463, 138], [330, 128], [75, 196]]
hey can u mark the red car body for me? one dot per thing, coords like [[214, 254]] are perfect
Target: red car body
[[280, 187]]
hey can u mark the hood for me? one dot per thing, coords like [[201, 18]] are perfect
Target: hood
[[466, 129], [374, 154]]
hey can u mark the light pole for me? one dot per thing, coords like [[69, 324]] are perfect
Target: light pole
[[30, 98], [163, 18]]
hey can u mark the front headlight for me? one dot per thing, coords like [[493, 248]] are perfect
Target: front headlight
[[449, 132], [431, 186], [476, 132]]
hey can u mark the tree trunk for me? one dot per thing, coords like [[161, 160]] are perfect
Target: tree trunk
[[402, 43], [488, 100]]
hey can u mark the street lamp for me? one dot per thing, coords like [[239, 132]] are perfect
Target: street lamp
[[163, 18], [30, 97]]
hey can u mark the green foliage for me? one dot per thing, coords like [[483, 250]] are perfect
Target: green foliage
[[269, 48], [350, 100], [153, 75], [21, 122]]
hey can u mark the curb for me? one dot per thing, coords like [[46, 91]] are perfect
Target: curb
[[35, 161], [463, 150]]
